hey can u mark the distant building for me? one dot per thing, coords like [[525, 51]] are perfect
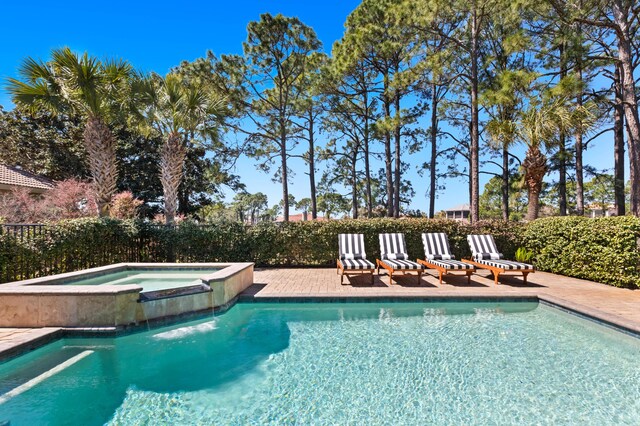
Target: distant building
[[13, 177], [596, 210], [302, 217], [460, 212]]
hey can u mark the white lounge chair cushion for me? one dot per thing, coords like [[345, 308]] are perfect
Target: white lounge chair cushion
[[451, 264], [436, 246], [393, 247], [506, 264], [351, 246], [357, 264], [403, 264], [483, 247]]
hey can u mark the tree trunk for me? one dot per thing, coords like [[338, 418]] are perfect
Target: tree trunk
[[579, 170], [505, 183], [618, 155], [284, 174], [101, 153], [312, 169], [387, 150], [634, 173], [398, 160], [172, 157], [625, 57], [533, 208], [535, 168], [367, 168], [562, 174], [434, 152], [354, 186], [579, 148], [562, 149], [475, 143]]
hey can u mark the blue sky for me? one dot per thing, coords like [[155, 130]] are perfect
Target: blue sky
[[159, 35]]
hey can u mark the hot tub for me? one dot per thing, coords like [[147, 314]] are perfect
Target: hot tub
[[122, 295]]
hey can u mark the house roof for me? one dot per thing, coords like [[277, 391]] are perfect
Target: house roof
[[461, 207], [299, 218], [13, 176]]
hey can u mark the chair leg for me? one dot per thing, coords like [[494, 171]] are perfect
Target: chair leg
[[419, 276], [524, 276], [496, 277], [371, 277], [469, 278], [390, 278], [342, 278], [440, 276]]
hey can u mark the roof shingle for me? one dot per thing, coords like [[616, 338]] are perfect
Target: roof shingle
[[17, 177]]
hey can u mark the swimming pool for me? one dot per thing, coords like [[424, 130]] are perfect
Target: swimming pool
[[338, 363]]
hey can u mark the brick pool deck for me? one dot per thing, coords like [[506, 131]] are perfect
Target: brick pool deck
[[619, 307]]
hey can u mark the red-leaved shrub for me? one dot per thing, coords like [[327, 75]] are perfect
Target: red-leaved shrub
[[125, 206], [68, 199]]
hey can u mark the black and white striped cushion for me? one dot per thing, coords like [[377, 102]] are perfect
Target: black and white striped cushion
[[488, 256], [393, 247], [506, 264], [436, 246], [351, 246], [403, 264], [451, 264], [357, 264], [483, 247]]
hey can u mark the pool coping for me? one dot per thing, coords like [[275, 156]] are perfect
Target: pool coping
[[48, 302], [613, 322], [226, 269], [28, 341]]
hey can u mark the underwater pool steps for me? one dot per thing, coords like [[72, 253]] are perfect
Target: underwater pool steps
[[44, 376]]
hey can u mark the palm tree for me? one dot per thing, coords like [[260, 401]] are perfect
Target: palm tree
[[178, 110], [538, 127], [84, 86]]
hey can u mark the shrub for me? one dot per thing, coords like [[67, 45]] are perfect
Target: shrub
[[68, 199], [603, 249], [20, 206], [316, 242], [125, 206]]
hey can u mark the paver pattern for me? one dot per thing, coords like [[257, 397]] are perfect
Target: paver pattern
[[615, 305]]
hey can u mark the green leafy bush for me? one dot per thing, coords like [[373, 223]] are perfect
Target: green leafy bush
[[603, 249], [524, 255]]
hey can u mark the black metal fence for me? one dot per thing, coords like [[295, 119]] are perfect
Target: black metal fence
[[35, 250]]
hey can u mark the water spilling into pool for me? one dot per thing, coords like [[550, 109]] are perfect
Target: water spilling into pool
[[383, 363]]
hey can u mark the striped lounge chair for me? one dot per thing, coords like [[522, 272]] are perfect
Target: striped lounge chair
[[486, 256], [437, 255], [352, 258], [394, 257]]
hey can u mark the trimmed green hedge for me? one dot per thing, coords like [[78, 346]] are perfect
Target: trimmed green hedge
[[316, 243], [603, 250]]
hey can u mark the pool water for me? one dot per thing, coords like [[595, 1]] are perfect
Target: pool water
[[149, 279], [355, 364]]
